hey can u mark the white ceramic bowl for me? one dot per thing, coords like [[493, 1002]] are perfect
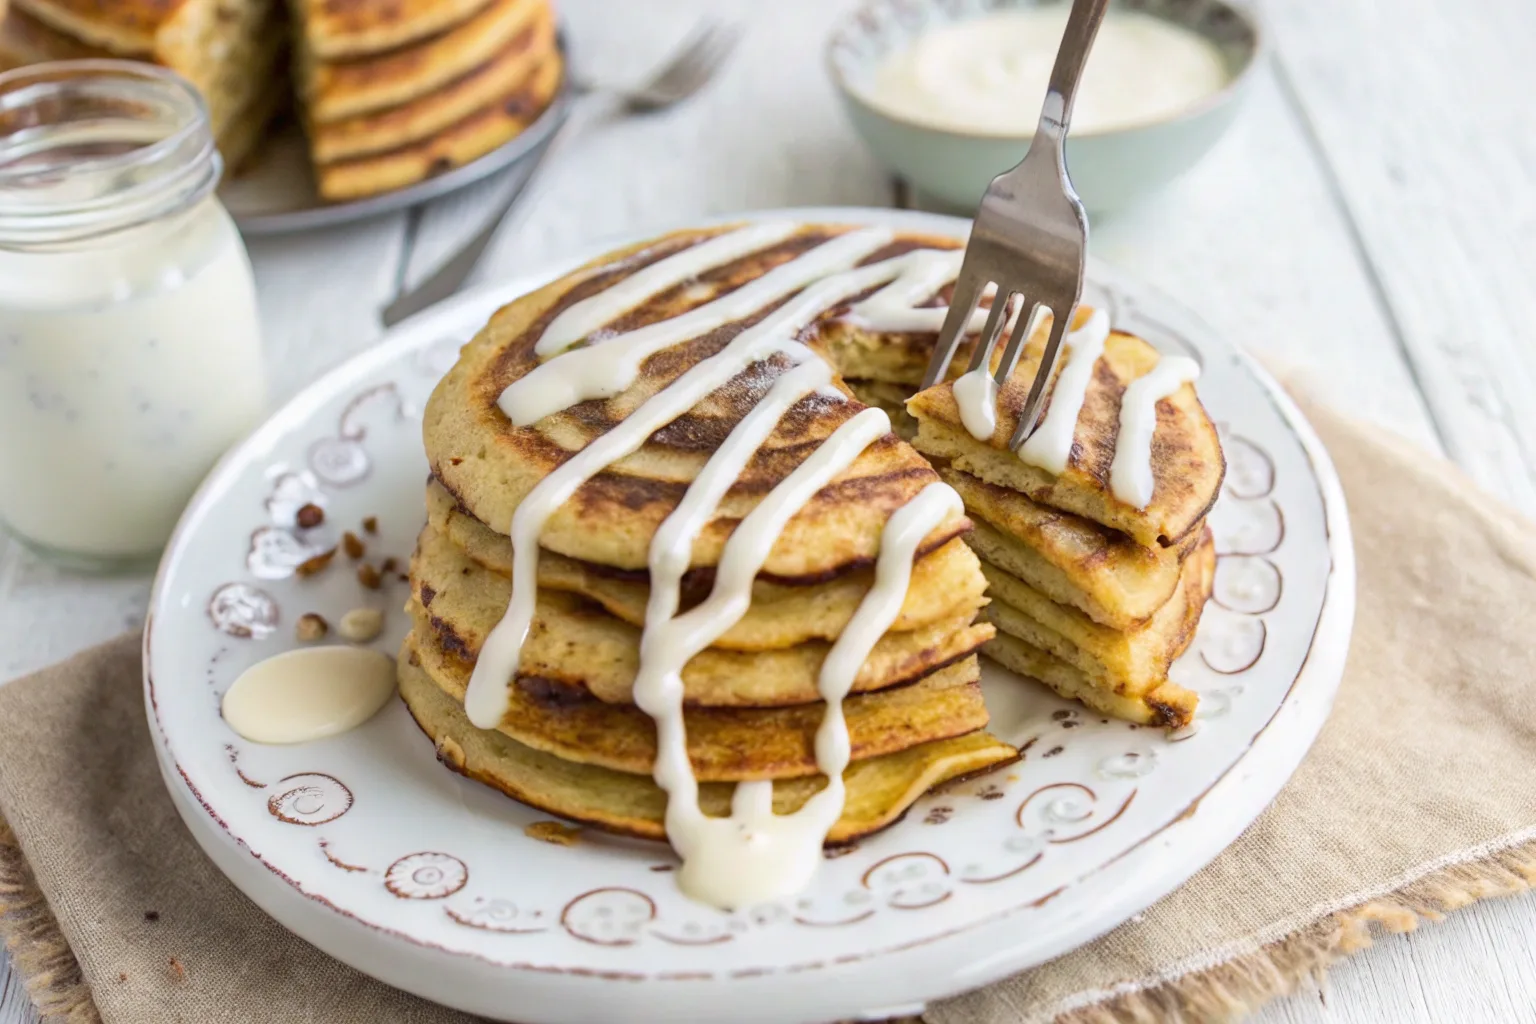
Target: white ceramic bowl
[[1110, 169]]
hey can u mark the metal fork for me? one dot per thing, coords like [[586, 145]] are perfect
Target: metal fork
[[1030, 238], [687, 70]]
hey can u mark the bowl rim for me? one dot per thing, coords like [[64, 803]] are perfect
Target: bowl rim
[[1248, 13]]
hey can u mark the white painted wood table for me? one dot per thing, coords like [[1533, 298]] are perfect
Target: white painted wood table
[[1370, 223]]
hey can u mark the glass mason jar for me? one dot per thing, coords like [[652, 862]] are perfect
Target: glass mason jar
[[130, 352]]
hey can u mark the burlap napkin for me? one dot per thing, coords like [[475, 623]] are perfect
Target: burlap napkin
[[1416, 800]]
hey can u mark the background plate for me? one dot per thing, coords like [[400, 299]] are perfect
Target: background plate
[[366, 847], [275, 194]]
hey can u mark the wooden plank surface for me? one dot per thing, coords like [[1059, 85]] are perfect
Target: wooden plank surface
[[1333, 231]]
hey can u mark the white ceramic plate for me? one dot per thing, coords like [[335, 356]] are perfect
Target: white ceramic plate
[[369, 849]]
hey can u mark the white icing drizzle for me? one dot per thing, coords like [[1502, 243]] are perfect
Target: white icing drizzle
[[1130, 474], [755, 855], [604, 369], [976, 394], [1050, 446], [893, 309], [580, 319]]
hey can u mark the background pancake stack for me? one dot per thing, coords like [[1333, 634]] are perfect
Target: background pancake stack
[[1089, 595], [390, 91], [394, 91], [233, 51]]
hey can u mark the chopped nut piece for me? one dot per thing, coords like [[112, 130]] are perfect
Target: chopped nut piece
[[310, 516], [310, 566], [311, 627], [388, 565], [361, 625], [369, 577], [353, 545], [553, 832], [371, 524]]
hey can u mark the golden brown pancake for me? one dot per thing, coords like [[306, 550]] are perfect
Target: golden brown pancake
[[879, 789], [125, 28], [1169, 704], [333, 91], [724, 744], [1128, 662], [494, 81], [337, 29], [460, 143], [1187, 464], [890, 399], [491, 466], [233, 57], [1071, 560], [576, 643], [945, 584]]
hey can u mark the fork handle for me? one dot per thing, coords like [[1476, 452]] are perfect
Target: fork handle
[[1072, 56]]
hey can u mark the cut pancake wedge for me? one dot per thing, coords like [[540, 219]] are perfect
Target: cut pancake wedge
[[1134, 660], [724, 743], [945, 584], [879, 789], [1071, 560], [1169, 704], [1186, 459], [577, 643]]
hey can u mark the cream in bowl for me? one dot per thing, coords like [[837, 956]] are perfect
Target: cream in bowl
[[950, 101]]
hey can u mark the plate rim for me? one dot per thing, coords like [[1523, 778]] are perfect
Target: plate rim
[[1322, 667]]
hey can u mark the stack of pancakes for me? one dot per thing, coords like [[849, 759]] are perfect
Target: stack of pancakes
[[394, 91], [1089, 595], [572, 741], [390, 91], [231, 50]]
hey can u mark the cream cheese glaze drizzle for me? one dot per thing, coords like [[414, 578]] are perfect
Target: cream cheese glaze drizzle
[[1130, 474], [754, 854], [1050, 446]]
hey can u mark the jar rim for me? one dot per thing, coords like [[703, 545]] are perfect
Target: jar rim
[[130, 192]]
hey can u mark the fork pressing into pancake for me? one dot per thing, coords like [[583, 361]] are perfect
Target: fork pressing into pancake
[[1030, 238]]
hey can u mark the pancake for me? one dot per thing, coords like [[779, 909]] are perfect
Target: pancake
[[1071, 560], [460, 143], [890, 399], [879, 789], [724, 744], [576, 643], [333, 91], [123, 28], [491, 465], [1187, 464], [1133, 661], [945, 584], [495, 80], [1168, 705], [335, 29], [232, 57]]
